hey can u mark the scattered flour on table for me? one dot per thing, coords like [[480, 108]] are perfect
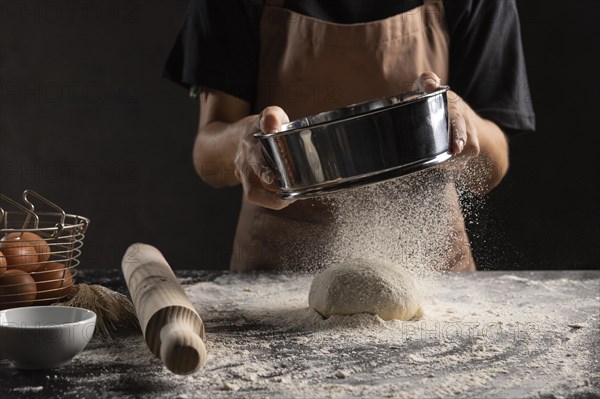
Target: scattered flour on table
[[480, 337]]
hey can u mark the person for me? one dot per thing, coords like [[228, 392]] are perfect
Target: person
[[255, 65]]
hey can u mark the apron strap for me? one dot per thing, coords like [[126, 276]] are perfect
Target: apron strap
[[274, 3]]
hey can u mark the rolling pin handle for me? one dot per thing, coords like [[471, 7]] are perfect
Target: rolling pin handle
[[181, 349]]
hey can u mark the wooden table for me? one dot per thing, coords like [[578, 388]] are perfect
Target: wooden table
[[485, 334]]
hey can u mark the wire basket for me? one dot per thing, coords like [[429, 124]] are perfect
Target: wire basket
[[39, 251]]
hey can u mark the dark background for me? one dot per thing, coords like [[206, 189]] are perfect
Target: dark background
[[87, 121]]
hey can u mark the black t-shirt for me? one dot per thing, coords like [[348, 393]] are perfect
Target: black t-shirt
[[219, 45]]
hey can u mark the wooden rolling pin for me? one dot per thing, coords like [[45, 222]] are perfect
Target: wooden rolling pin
[[171, 326]]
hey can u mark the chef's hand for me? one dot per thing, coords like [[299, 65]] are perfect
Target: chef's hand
[[464, 139], [257, 179]]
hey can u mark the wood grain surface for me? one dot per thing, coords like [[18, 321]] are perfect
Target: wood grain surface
[[171, 326]]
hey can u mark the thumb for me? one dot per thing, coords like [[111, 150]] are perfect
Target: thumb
[[427, 82], [271, 119]]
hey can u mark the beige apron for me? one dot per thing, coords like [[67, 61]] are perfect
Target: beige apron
[[309, 66]]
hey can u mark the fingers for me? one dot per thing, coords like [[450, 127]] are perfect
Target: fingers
[[464, 135], [250, 160], [266, 199], [464, 139], [258, 180], [257, 194], [271, 119], [255, 189], [458, 127], [267, 176], [428, 82]]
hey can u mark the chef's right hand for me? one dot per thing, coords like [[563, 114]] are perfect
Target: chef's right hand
[[258, 180]]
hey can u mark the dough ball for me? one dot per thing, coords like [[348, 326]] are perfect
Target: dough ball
[[365, 286]]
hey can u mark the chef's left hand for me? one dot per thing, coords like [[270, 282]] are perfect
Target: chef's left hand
[[464, 135]]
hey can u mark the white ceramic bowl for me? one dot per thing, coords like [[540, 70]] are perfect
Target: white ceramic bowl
[[42, 337]]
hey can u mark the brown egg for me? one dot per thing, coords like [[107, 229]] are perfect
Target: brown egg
[[19, 255], [17, 288], [3, 264], [41, 246], [53, 280]]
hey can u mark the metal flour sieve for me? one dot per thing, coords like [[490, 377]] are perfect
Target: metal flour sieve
[[359, 144]]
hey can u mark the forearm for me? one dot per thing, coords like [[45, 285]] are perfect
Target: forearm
[[215, 149]]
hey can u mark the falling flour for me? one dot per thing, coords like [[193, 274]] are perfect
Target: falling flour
[[407, 222], [410, 226]]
